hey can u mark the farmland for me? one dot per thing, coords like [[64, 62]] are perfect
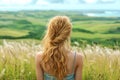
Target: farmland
[[25, 25]]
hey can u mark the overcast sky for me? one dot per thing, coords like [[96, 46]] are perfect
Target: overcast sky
[[58, 4]]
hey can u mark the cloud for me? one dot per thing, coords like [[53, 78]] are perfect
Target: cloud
[[90, 1], [47, 2], [58, 4], [14, 2], [107, 1], [57, 1], [42, 2], [33, 2]]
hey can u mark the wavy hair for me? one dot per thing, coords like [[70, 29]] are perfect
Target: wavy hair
[[56, 44]]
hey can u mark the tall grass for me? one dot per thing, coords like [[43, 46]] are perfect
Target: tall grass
[[17, 61], [101, 63]]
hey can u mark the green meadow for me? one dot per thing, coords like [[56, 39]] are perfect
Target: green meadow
[[96, 38], [24, 25]]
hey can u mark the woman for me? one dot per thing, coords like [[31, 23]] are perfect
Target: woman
[[58, 61]]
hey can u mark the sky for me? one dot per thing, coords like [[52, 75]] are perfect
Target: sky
[[14, 5]]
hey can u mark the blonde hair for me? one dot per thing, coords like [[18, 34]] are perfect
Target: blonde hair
[[56, 43]]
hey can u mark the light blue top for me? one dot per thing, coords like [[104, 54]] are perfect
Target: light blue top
[[68, 77]]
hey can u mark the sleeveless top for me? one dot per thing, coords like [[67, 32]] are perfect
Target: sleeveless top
[[68, 77]]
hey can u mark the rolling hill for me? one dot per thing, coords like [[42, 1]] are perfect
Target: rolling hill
[[32, 24]]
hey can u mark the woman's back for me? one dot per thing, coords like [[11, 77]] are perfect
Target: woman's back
[[74, 66], [70, 66]]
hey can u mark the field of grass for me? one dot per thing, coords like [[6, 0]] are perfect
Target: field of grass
[[96, 38], [32, 24], [17, 61]]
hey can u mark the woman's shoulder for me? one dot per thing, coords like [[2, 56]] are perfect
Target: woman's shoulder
[[79, 58], [38, 56], [79, 55]]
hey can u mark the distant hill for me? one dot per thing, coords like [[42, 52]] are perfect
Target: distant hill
[[32, 24]]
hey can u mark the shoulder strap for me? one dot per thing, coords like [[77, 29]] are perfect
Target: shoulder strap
[[74, 62]]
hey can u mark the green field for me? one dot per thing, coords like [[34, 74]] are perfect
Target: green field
[[86, 30], [96, 38]]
